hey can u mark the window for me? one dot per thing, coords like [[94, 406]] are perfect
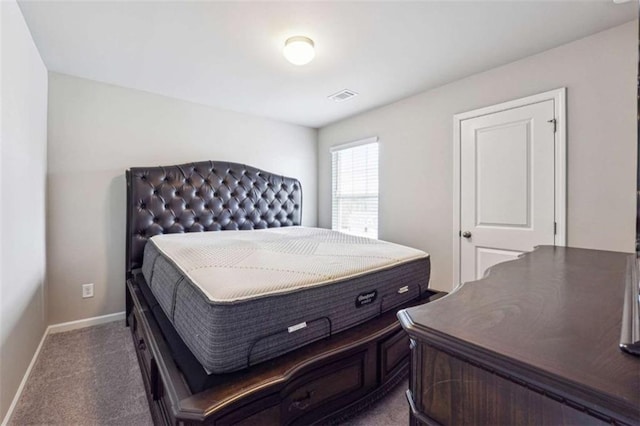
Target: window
[[354, 188]]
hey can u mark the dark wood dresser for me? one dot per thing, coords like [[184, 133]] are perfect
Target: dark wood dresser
[[535, 342]]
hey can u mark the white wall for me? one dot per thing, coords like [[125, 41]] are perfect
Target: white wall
[[96, 131], [23, 99], [416, 140]]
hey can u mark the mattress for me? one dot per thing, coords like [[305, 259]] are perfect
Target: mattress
[[237, 298]]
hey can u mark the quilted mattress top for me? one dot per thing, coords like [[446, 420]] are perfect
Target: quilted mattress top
[[230, 266]]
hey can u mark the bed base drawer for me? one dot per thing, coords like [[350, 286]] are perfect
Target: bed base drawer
[[394, 355], [315, 392], [325, 382], [151, 377]]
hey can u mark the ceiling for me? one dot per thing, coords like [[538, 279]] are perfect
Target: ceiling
[[228, 54]]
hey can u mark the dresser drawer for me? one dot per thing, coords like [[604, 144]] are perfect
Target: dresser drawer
[[317, 389]]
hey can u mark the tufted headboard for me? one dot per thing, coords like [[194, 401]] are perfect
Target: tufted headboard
[[205, 196]]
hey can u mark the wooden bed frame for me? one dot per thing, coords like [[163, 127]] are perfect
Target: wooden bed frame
[[325, 382]]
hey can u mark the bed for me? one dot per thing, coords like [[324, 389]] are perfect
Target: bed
[[228, 323]]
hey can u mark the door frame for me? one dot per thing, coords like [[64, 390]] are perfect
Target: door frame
[[560, 167]]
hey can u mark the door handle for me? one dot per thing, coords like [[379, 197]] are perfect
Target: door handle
[[466, 234]]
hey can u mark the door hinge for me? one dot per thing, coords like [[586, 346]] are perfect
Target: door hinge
[[555, 124], [555, 228]]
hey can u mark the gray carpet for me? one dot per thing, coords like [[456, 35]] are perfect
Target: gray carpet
[[91, 377], [392, 410], [85, 377]]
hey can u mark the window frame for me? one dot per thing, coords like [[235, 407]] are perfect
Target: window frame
[[349, 145]]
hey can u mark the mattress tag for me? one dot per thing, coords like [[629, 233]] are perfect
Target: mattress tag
[[403, 289], [297, 327], [366, 298]]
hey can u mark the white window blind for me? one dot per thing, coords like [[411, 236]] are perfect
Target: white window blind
[[354, 198]]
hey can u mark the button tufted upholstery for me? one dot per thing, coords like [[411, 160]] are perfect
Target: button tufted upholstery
[[205, 196]]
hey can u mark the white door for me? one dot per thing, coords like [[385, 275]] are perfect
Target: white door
[[507, 165]]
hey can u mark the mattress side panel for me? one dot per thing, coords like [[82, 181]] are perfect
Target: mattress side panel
[[150, 256], [229, 337], [165, 281]]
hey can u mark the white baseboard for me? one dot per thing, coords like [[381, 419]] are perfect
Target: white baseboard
[[87, 322], [52, 329], [16, 398]]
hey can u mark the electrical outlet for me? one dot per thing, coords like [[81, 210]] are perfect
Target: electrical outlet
[[87, 290]]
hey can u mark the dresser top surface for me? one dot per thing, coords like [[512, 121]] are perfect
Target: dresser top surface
[[555, 312]]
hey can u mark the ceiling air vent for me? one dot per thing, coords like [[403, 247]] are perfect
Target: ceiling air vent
[[343, 95]]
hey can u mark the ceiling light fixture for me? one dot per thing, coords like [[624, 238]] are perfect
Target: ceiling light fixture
[[299, 50]]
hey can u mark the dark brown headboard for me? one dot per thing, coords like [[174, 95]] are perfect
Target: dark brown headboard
[[205, 196]]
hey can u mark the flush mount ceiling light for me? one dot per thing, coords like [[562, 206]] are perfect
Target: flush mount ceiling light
[[299, 50]]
